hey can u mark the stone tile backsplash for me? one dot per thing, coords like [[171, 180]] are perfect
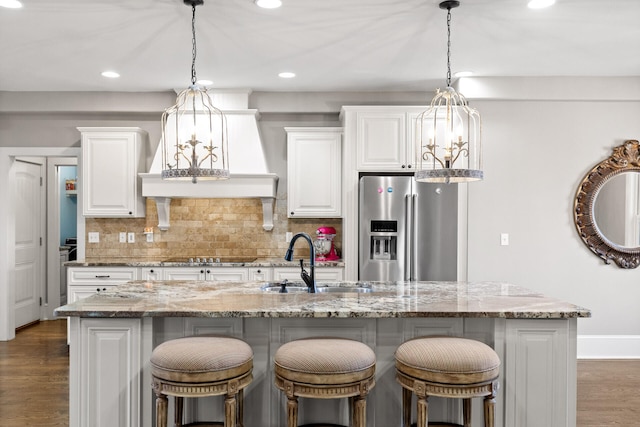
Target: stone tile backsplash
[[204, 228]]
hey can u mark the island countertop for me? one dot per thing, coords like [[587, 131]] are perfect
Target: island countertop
[[387, 300]]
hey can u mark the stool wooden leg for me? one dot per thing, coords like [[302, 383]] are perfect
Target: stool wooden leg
[[161, 410], [489, 410], [292, 411], [177, 417], [406, 407], [466, 412], [423, 411], [240, 399], [359, 411], [230, 410]]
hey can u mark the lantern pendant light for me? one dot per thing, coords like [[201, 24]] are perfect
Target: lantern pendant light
[[194, 131], [449, 132]]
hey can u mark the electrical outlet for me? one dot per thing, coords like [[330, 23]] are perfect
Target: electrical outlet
[[94, 237], [504, 239], [149, 237], [123, 237], [288, 236], [131, 237]]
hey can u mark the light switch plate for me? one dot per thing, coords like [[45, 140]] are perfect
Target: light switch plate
[[94, 237], [123, 237], [504, 239], [131, 237]]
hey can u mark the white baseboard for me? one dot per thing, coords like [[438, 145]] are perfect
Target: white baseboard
[[608, 346]]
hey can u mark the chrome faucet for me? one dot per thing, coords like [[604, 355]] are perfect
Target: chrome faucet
[[309, 279]]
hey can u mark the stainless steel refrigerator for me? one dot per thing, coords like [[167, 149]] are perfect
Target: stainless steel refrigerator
[[408, 229]]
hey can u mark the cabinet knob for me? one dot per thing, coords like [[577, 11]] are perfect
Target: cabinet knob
[[259, 271], [130, 213], [208, 271], [403, 166], [409, 166], [97, 289], [292, 213], [201, 271], [151, 271]]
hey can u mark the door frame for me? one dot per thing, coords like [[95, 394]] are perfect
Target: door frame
[[7, 227], [53, 232]]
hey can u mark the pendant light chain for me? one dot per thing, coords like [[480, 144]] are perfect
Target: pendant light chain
[[193, 44], [448, 47]]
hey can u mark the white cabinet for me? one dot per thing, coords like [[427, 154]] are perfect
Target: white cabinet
[[151, 273], [85, 281], [314, 172], [322, 273], [223, 274], [111, 161], [384, 137], [260, 273]]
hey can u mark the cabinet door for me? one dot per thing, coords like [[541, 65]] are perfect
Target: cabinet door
[[184, 273], [153, 273], [227, 274], [381, 142], [322, 274], [260, 273], [111, 160], [314, 170]]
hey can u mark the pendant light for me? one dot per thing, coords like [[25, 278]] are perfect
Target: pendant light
[[194, 131], [449, 132]]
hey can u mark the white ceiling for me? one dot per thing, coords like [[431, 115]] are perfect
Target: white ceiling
[[332, 45]]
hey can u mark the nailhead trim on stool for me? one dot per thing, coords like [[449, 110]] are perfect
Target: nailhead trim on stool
[[325, 368], [447, 367], [201, 366]]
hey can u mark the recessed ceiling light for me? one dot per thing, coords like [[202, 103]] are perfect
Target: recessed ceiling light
[[110, 74], [540, 4], [10, 4], [204, 82], [287, 75], [463, 74], [268, 4]]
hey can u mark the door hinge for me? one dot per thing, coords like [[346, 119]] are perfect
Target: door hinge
[[40, 301], [40, 181], [41, 241]]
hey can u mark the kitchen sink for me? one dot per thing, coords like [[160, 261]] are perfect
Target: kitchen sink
[[298, 287], [273, 287]]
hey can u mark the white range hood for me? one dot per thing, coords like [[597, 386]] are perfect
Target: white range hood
[[247, 164]]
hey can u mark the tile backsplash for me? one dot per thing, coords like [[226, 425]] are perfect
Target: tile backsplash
[[204, 228]]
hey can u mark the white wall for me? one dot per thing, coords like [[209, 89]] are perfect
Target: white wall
[[536, 154]]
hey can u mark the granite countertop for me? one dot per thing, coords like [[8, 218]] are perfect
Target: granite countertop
[[387, 300], [183, 262]]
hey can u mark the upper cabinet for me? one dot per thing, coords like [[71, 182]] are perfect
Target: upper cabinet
[[314, 172], [384, 137], [111, 161]]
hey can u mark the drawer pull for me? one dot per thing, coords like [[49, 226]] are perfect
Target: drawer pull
[[105, 276]]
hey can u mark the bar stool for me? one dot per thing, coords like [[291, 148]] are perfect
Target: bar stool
[[447, 367], [201, 366], [325, 368]]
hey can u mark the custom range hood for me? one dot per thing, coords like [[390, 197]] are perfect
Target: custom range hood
[[247, 165]]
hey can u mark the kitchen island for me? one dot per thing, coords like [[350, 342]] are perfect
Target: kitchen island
[[113, 333]]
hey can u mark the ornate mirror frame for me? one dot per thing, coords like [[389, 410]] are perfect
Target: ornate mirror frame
[[625, 158]]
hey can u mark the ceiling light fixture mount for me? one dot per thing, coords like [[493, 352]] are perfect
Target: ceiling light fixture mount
[[449, 132], [194, 131]]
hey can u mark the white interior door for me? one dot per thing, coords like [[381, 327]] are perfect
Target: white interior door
[[29, 254]]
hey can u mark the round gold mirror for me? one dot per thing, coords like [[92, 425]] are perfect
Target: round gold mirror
[[607, 207]]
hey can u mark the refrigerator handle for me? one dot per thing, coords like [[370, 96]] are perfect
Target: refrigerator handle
[[408, 238], [414, 238]]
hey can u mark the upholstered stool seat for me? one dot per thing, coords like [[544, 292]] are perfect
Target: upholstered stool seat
[[201, 366], [447, 367], [325, 368]]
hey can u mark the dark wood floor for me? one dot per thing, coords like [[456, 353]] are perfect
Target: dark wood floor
[[34, 383]]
